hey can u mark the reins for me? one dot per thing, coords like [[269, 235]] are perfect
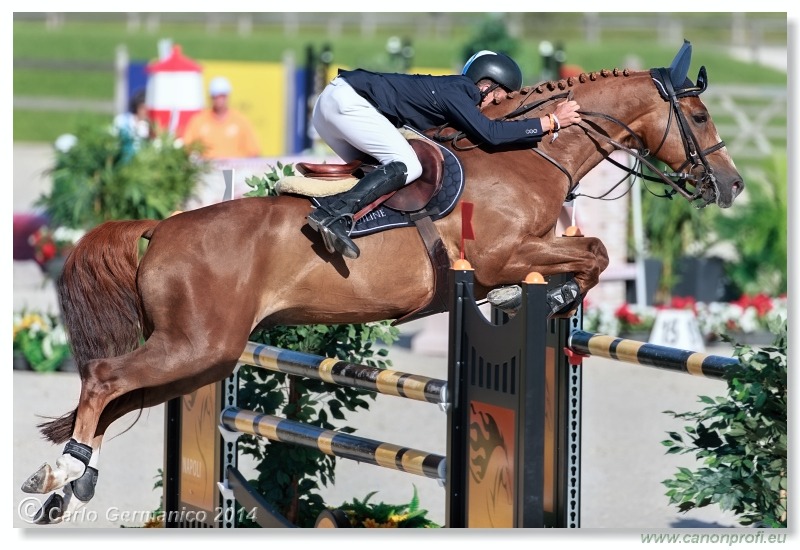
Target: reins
[[678, 181]]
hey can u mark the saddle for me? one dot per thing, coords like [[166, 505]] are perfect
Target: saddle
[[431, 196], [411, 198]]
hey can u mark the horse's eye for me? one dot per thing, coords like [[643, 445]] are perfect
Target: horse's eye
[[700, 118]]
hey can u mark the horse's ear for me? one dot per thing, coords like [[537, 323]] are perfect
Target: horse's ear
[[680, 65], [702, 80]]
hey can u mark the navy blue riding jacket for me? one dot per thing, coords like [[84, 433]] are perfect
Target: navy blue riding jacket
[[425, 101]]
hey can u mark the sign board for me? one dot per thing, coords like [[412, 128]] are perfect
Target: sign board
[[677, 328]]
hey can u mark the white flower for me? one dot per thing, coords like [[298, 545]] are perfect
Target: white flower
[[68, 235], [714, 318]]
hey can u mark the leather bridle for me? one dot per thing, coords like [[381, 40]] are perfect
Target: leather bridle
[[695, 172]]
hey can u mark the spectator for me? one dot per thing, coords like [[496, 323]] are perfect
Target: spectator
[[222, 131], [134, 126]]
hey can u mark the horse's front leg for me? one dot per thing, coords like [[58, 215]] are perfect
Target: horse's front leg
[[585, 257]]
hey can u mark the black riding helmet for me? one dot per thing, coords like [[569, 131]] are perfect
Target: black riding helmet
[[495, 66]]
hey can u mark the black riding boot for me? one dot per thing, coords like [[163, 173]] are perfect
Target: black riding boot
[[335, 222]]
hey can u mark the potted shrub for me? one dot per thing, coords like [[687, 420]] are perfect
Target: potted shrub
[[759, 230], [96, 178], [673, 231], [740, 440]]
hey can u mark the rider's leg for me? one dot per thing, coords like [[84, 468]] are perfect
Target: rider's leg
[[335, 221], [351, 126]]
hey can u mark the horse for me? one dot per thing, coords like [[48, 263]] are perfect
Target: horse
[[148, 327]]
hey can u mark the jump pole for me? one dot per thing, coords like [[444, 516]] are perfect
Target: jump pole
[[513, 407]]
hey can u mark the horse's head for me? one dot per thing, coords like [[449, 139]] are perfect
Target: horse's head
[[647, 114], [687, 139]]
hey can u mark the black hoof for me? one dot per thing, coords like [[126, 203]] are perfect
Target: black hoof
[[51, 512], [562, 299]]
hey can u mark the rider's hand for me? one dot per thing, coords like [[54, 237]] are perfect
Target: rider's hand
[[567, 113]]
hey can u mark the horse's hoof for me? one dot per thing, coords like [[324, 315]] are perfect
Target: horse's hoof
[[51, 512], [563, 299], [507, 299], [40, 481]]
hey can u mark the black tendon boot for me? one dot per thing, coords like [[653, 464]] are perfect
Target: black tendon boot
[[335, 222]]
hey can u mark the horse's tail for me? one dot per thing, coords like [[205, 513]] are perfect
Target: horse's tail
[[99, 301]]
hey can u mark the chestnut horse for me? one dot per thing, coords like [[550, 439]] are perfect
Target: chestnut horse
[[211, 275]]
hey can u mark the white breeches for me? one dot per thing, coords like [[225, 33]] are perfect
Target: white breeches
[[351, 126]]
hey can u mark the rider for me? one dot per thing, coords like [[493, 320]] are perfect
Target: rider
[[359, 112]]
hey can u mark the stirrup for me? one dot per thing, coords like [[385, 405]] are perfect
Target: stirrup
[[333, 241]]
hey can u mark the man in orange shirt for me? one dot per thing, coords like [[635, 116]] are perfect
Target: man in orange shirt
[[224, 132]]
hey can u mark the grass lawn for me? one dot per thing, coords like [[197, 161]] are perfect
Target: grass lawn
[[76, 60]]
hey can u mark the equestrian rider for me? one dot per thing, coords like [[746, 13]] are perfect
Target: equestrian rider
[[359, 112]]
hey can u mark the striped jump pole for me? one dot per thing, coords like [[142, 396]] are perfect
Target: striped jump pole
[[342, 373], [650, 355], [513, 422], [331, 442]]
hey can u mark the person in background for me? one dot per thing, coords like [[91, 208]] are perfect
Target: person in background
[[222, 131], [133, 127]]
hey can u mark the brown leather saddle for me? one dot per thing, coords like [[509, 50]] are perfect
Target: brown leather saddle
[[411, 198], [413, 201]]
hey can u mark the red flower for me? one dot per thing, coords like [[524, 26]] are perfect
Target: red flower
[[48, 251], [684, 302], [761, 302], [625, 315]]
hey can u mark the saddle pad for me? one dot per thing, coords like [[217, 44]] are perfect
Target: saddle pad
[[439, 206]]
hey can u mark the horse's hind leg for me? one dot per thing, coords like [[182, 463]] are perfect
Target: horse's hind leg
[[164, 360], [74, 495], [77, 494]]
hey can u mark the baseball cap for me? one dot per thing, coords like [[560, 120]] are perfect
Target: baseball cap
[[219, 86]]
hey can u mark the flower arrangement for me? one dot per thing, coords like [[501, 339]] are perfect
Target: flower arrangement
[[49, 243], [367, 515], [633, 318], [750, 314], [616, 320], [41, 339]]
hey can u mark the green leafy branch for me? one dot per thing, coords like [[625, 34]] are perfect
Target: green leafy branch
[[741, 441]]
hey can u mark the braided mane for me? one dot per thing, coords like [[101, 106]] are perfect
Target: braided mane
[[564, 83]]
